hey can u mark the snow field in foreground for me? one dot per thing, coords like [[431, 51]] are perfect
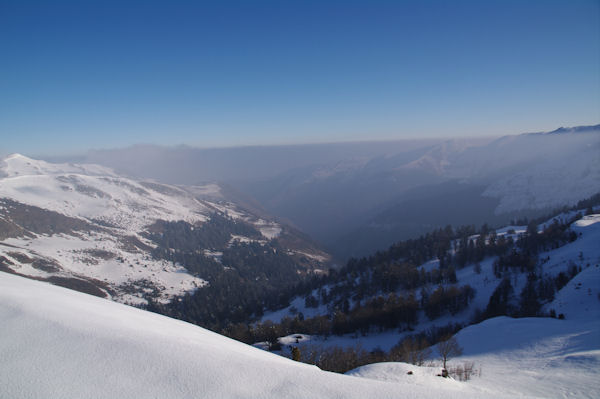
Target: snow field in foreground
[[59, 343]]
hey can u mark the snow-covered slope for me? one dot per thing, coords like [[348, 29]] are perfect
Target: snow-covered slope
[[543, 356], [584, 252], [86, 227], [531, 357], [59, 343], [576, 173], [539, 357], [95, 192]]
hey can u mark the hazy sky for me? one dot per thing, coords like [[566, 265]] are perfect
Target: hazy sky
[[81, 74]]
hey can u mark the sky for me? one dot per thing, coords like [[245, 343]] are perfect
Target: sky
[[85, 74]]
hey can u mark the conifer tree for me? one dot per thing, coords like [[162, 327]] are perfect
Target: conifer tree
[[296, 353]]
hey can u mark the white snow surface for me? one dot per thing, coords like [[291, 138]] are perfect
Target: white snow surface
[[19, 165], [60, 343], [399, 372], [529, 357], [539, 357], [95, 192], [57, 343]]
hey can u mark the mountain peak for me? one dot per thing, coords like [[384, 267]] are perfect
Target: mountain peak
[[576, 129], [20, 165], [16, 156]]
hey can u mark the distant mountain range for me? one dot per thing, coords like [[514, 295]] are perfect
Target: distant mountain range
[[359, 206], [356, 198]]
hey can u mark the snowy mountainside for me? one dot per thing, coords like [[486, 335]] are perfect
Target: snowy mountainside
[[560, 360], [93, 192], [542, 357], [576, 263], [56, 342], [85, 227], [149, 355], [524, 171], [576, 172], [529, 357]]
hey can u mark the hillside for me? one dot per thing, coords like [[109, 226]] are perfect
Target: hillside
[[87, 347], [409, 292], [505, 179], [541, 357], [90, 229]]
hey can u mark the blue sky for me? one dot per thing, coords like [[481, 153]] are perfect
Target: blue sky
[[84, 74]]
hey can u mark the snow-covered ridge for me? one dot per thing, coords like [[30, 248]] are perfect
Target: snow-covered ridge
[[95, 192], [87, 225], [20, 165]]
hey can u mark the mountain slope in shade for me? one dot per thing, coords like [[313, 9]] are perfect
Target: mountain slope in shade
[[527, 175], [59, 343]]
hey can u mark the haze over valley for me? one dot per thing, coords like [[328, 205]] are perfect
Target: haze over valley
[[357, 198]]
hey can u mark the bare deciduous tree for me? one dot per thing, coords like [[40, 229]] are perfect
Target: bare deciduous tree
[[411, 350], [448, 348]]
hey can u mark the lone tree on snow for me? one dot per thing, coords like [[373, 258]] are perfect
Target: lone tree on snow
[[448, 348]]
